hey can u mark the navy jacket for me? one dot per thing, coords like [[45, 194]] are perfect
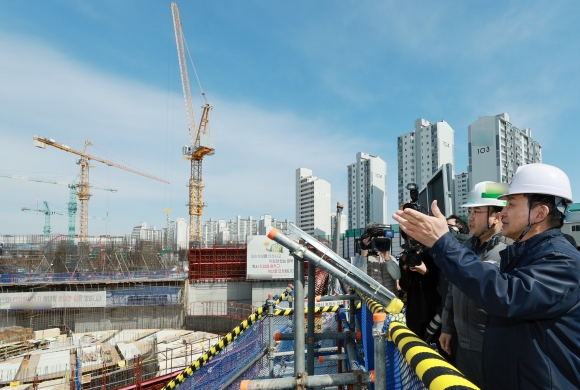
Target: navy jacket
[[532, 335]]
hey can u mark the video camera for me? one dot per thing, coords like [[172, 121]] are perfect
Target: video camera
[[413, 252], [412, 249], [380, 238], [413, 204]]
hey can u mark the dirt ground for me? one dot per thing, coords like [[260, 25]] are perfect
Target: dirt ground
[[16, 333]]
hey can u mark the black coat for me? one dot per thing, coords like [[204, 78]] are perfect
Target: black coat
[[423, 299]]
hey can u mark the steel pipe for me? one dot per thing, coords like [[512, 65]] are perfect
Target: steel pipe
[[364, 284], [325, 358], [344, 297], [270, 302], [299, 365], [316, 350], [341, 263], [380, 350], [321, 336], [356, 377], [310, 332]]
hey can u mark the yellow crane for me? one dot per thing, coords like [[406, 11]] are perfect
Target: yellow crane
[[201, 143], [84, 186]]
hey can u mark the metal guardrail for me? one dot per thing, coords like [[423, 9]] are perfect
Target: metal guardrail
[[75, 277]]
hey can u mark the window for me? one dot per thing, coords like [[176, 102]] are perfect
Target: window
[[576, 228]]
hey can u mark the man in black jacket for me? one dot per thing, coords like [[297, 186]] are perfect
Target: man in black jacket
[[532, 334]]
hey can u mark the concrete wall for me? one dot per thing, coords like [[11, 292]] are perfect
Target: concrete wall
[[240, 292], [211, 324], [260, 290], [250, 292]]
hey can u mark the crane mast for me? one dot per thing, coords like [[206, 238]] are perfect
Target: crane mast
[[201, 143], [84, 186], [72, 203]]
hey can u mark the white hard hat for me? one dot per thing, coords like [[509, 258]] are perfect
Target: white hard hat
[[540, 179], [485, 194]]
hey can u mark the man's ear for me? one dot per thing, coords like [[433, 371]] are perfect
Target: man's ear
[[542, 212]]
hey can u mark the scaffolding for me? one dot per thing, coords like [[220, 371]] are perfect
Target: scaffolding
[[29, 259]]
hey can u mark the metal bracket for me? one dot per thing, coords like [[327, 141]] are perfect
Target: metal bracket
[[358, 377], [299, 252], [301, 381]]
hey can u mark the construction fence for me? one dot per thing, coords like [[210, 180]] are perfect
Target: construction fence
[[243, 353]]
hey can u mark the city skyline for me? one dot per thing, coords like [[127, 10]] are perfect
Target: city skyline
[[284, 95]]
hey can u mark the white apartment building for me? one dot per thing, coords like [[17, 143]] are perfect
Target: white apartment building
[[267, 223], [236, 230], [142, 232], [461, 189], [421, 153], [497, 148], [209, 232], [367, 191], [181, 233], [312, 203], [240, 228]]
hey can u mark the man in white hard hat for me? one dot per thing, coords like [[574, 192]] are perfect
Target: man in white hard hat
[[462, 315], [532, 334]]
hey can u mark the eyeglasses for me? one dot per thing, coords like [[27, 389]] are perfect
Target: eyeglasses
[[471, 212]]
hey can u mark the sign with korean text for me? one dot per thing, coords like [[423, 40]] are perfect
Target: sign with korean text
[[268, 260]]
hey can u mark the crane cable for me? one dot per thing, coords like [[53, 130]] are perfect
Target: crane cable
[[194, 70]]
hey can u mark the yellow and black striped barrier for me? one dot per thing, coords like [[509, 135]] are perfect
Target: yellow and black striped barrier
[[325, 309], [395, 306], [220, 345], [433, 370]]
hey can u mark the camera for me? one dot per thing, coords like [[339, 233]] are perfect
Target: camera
[[414, 195], [380, 238], [413, 254], [413, 204]]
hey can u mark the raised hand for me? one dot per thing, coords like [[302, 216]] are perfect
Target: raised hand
[[423, 228]]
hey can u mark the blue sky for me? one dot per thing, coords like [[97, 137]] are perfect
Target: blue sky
[[293, 84]]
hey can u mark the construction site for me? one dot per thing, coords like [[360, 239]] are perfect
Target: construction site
[[286, 311], [126, 315]]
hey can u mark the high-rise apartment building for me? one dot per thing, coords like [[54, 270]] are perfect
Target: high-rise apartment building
[[421, 153], [367, 191], [497, 148], [238, 229], [142, 232], [267, 223], [181, 233], [461, 189], [312, 203]]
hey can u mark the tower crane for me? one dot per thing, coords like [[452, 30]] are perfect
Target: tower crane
[[84, 186], [72, 202], [201, 143], [47, 213]]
